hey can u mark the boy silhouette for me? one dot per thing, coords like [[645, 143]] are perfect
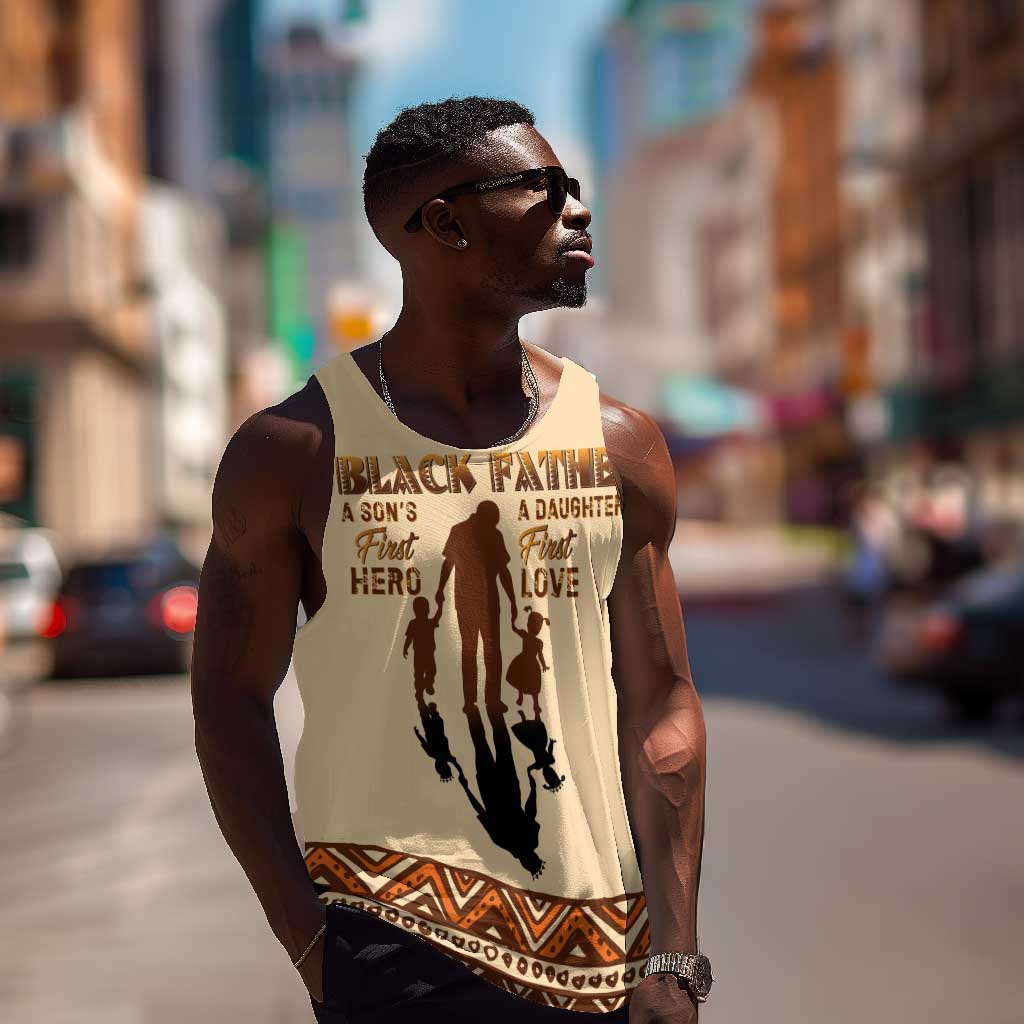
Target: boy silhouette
[[420, 633]]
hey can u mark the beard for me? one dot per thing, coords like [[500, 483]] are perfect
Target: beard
[[563, 290], [558, 292]]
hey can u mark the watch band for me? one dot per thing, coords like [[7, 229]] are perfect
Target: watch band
[[694, 969]]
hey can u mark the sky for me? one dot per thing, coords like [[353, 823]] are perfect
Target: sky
[[533, 51], [530, 50]]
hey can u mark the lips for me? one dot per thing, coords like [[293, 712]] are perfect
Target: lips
[[581, 251]]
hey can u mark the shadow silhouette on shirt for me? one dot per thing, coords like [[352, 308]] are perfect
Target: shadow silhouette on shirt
[[533, 734], [475, 550], [434, 741], [524, 670], [420, 634], [511, 825]]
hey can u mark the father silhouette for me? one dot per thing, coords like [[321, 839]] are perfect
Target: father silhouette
[[476, 550]]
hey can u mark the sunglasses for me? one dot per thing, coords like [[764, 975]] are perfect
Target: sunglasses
[[559, 185]]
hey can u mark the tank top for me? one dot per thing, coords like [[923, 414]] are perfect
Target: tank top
[[458, 771]]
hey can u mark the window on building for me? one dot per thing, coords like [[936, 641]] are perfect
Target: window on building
[[64, 10], [65, 56], [994, 23], [939, 40], [17, 237], [983, 231]]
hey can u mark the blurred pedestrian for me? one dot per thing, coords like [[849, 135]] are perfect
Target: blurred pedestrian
[[866, 578]]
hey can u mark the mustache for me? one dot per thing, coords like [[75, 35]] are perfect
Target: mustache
[[575, 243]]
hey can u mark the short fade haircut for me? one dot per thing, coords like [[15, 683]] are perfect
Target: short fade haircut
[[422, 138]]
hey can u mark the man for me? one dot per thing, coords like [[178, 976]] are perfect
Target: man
[[341, 498]]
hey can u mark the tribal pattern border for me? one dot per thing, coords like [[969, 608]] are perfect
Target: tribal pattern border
[[581, 955]]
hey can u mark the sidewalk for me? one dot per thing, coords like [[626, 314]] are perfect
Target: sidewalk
[[712, 559]]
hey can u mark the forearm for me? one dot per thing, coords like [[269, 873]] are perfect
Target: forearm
[[663, 774], [240, 754]]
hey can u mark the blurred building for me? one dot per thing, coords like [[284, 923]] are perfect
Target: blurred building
[[315, 197], [691, 259], [73, 318], [796, 70], [879, 45], [964, 391], [881, 122], [183, 246], [688, 331], [256, 125], [206, 134], [659, 65], [94, 400], [662, 64], [684, 232]]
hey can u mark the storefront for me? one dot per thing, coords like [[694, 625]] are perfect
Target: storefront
[[728, 460]]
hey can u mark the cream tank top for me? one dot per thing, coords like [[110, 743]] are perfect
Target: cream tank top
[[458, 771]]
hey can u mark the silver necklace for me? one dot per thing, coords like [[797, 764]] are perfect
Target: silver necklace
[[528, 377]]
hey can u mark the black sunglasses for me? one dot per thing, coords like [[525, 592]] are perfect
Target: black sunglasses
[[559, 185]]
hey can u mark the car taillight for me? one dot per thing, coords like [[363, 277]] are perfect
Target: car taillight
[[939, 632], [176, 609], [53, 621]]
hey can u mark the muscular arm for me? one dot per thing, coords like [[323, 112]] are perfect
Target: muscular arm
[[248, 603], [661, 723]]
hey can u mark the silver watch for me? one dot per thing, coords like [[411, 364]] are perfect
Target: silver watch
[[694, 969]]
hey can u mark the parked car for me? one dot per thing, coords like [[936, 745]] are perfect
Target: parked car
[[968, 644], [29, 577], [131, 612]]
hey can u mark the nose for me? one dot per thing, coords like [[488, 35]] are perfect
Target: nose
[[575, 213]]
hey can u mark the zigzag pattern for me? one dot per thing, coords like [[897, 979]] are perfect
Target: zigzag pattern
[[573, 954]]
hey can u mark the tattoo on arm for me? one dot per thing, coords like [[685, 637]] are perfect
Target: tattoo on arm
[[233, 525]]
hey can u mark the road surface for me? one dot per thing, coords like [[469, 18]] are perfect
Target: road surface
[[864, 859]]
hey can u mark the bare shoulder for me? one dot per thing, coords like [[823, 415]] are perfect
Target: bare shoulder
[[642, 464], [268, 460]]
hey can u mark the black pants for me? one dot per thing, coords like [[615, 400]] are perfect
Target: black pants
[[377, 973]]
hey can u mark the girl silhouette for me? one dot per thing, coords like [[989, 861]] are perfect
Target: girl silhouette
[[524, 670]]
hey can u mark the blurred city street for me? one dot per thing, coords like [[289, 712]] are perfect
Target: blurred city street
[[806, 228], [848, 868]]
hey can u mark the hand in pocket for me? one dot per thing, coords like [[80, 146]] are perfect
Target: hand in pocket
[[333, 954], [312, 970]]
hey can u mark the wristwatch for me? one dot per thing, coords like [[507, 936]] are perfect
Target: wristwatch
[[693, 969]]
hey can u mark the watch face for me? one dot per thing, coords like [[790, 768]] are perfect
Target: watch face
[[702, 976]]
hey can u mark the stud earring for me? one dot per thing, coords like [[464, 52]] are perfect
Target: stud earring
[[462, 243]]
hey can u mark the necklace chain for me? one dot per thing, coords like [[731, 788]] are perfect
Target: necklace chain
[[528, 378]]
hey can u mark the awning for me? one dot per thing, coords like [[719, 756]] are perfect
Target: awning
[[703, 406]]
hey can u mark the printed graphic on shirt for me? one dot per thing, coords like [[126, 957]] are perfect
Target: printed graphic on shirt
[[480, 583], [475, 567], [551, 473], [457, 774], [476, 553]]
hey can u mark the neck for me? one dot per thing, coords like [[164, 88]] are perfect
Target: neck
[[454, 361]]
